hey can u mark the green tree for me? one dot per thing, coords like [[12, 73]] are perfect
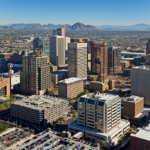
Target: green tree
[[134, 127], [103, 144]]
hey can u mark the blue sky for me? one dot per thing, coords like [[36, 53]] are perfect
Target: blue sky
[[93, 12]]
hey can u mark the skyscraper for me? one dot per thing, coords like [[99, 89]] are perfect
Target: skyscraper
[[39, 44], [140, 83], [57, 50], [47, 48], [148, 47], [114, 60], [61, 31], [77, 60], [35, 76], [99, 58], [148, 52]]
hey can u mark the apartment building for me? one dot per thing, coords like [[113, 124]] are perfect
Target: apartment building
[[99, 117], [114, 60], [99, 58], [35, 77], [133, 105], [140, 79], [39, 110], [77, 60], [70, 88]]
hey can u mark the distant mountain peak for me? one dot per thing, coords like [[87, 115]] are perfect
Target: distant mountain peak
[[80, 26]]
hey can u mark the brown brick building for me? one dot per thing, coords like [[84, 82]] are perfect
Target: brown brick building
[[5, 87], [133, 105], [99, 58], [140, 140]]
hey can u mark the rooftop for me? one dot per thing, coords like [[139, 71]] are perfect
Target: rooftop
[[133, 99], [59, 72], [141, 67], [70, 80], [7, 74], [142, 134], [100, 97], [39, 102]]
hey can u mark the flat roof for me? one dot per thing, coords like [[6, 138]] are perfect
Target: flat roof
[[59, 72], [70, 80], [39, 102], [142, 134], [96, 132], [7, 74], [141, 67], [133, 99]]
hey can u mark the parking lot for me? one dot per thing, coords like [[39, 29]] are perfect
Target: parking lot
[[51, 141], [13, 136]]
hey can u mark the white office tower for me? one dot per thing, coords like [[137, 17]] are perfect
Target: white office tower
[[57, 50], [77, 60], [99, 112], [99, 117]]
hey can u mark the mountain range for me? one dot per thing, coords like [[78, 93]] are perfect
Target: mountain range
[[140, 26], [77, 26]]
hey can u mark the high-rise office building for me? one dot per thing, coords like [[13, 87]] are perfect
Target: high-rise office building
[[35, 76], [77, 60], [114, 60], [105, 110], [57, 47], [148, 47], [99, 58], [99, 117], [39, 44], [140, 83], [148, 52], [47, 48], [61, 31]]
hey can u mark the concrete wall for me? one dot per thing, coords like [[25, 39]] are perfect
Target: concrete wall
[[140, 84]]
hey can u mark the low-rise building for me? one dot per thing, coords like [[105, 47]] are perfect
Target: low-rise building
[[133, 105], [140, 140], [14, 78], [39, 110], [70, 88]]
